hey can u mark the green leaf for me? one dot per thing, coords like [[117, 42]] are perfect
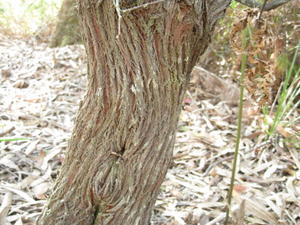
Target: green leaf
[[12, 139]]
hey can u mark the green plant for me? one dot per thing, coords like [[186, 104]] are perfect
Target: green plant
[[246, 33], [12, 139], [287, 99], [234, 4]]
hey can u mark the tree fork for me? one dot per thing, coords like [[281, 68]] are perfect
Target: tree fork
[[122, 142]]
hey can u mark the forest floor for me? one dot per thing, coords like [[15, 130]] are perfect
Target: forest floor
[[40, 92]]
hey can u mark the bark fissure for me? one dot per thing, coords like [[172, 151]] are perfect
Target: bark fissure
[[122, 142]]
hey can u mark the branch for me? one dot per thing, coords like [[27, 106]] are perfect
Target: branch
[[269, 6], [262, 9]]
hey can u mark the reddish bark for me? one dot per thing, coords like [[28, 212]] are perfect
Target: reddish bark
[[138, 70]]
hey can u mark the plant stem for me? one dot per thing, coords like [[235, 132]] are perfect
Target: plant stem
[[245, 41]]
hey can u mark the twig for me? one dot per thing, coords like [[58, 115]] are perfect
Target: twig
[[7, 131], [261, 10], [120, 11], [117, 6], [141, 6]]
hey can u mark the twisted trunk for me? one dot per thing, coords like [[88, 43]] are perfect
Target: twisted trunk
[[139, 62]]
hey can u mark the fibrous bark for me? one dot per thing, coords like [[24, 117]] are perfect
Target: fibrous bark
[[67, 30], [139, 63]]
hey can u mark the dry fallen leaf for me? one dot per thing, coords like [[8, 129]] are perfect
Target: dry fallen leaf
[[256, 208], [40, 190], [5, 73], [20, 193], [8, 162], [5, 206], [284, 131], [21, 84], [19, 221]]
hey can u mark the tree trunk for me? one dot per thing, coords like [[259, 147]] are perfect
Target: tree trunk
[[139, 63], [67, 30]]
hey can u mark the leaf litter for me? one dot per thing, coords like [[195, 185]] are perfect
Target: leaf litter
[[40, 93]]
